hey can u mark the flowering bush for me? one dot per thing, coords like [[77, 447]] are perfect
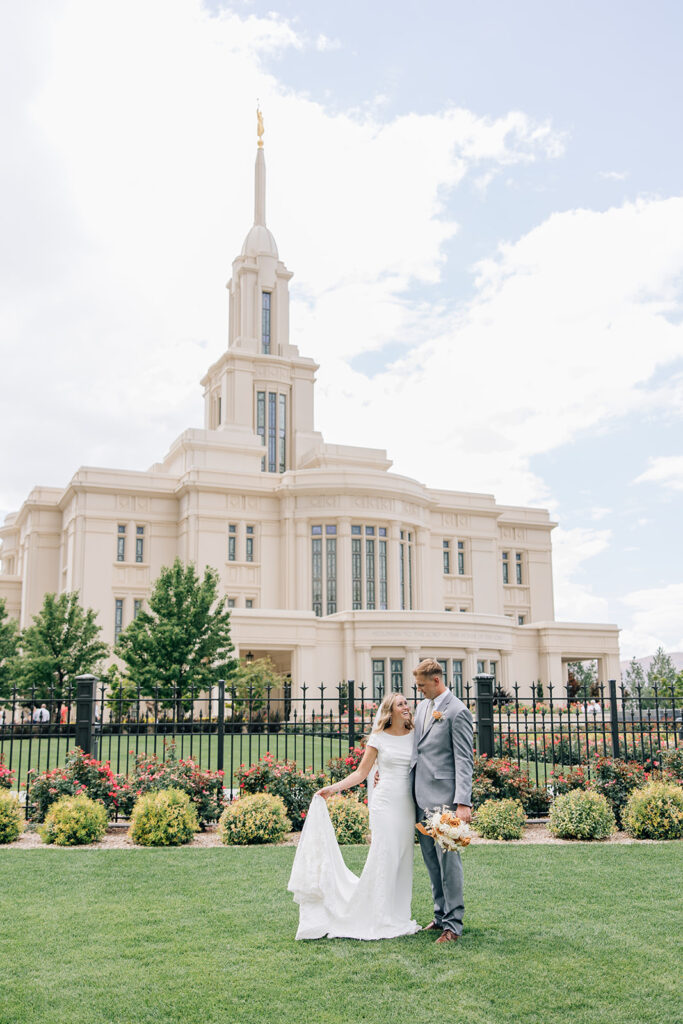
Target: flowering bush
[[500, 819], [6, 774], [258, 818], [350, 819], [81, 774], [165, 817], [11, 818], [74, 821], [655, 812], [538, 802], [339, 767], [565, 781], [499, 778], [616, 780], [284, 779], [581, 814], [666, 765], [204, 788]]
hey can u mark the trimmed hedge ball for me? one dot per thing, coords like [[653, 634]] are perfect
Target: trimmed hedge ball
[[349, 818], [12, 821], [581, 814], [500, 819], [74, 821], [163, 818], [655, 812], [259, 818]]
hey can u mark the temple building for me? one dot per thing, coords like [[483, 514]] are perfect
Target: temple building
[[334, 566]]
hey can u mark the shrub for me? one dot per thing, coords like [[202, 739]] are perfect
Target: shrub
[[664, 764], [482, 789], [204, 788], [504, 780], [284, 779], [11, 817], [655, 812], [350, 819], [81, 774], [74, 821], [258, 818], [616, 780], [339, 767], [538, 802], [565, 781], [581, 814], [6, 774], [500, 819], [165, 817]]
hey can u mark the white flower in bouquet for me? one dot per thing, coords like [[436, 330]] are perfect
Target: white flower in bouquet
[[446, 829]]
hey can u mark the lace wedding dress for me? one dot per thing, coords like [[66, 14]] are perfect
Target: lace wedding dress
[[335, 902]]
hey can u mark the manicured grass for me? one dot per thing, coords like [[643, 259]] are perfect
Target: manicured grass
[[241, 747], [555, 934]]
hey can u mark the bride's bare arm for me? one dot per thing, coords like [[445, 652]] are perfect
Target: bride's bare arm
[[355, 778]]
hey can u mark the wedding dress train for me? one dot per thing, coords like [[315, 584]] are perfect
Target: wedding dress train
[[335, 902]]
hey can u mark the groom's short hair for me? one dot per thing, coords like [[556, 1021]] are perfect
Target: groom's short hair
[[428, 667]]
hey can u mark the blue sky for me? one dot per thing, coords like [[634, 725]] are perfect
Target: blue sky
[[482, 205]]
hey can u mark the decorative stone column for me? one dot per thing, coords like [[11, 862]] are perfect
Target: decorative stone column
[[344, 567], [393, 569], [303, 566], [421, 570]]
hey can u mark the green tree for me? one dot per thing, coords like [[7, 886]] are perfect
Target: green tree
[[9, 643], [251, 685], [634, 678], [582, 679], [62, 643], [182, 644], [661, 674]]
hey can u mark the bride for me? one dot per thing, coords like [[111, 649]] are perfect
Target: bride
[[332, 900]]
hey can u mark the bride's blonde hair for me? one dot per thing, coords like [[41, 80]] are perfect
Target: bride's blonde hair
[[385, 712]]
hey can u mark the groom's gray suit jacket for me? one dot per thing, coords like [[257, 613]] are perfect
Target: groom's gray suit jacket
[[443, 757]]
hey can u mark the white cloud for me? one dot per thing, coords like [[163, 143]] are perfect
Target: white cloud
[[550, 347], [575, 598], [666, 470], [656, 621], [613, 175], [128, 195]]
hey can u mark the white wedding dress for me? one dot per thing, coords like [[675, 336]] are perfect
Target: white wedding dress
[[335, 902]]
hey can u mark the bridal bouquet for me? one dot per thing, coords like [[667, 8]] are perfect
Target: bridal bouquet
[[446, 829]]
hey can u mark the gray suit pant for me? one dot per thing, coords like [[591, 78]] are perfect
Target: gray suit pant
[[447, 881]]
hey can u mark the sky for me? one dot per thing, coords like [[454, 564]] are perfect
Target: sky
[[482, 205]]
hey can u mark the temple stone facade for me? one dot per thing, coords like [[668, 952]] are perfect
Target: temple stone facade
[[335, 567]]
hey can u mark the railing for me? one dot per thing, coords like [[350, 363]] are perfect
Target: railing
[[228, 727]]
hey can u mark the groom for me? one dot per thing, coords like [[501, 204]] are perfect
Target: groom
[[441, 769]]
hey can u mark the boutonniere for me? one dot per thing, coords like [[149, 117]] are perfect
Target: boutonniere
[[437, 716]]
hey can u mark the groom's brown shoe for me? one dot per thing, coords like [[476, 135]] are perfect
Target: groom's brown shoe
[[432, 927], [448, 936]]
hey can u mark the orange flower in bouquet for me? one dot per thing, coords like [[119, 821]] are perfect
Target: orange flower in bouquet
[[446, 829]]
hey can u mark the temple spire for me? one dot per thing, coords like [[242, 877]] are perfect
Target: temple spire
[[260, 175]]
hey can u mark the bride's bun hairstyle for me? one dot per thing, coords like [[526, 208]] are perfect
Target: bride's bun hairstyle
[[385, 711]]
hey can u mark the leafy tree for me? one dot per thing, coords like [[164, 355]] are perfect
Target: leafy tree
[[182, 644], [582, 679], [9, 642], [661, 673], [250, 685], [120, 693], [635, 677], [62, 643]]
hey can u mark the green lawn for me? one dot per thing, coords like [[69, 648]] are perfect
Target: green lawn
[[554, 934], [241, 747]]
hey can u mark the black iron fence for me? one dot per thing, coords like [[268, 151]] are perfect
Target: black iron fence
[[228, 726]]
